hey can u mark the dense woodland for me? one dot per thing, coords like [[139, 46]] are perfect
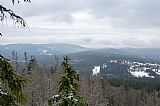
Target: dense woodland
[[96, 91]]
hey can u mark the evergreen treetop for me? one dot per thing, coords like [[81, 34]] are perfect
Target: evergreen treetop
[[69, 87], [11, 85]]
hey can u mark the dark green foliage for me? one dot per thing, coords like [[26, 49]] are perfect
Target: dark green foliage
[[69, 87], [136, 83], [6, 100], [30, 66], [115, 70], [12, 84], [110, 101]]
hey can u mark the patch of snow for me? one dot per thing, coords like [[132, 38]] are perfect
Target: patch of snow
[[71, 98], [113, 61], [152, 76], [104, 66], [55, 96], [152, 64], [156, 71], [96, 70], [1, 91], [44, 52], [55, 99], [140, 74]]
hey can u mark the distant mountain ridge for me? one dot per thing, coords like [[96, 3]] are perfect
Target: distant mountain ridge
[[41, 49], [143, 52], [63, 49], [60, 48], [89, 57]]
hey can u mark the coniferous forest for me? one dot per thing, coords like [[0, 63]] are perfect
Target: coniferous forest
[[61, 85]]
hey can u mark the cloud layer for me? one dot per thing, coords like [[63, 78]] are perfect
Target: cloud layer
[[96, 23]]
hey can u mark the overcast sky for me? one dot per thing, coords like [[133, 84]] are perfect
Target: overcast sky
[[90, 23]]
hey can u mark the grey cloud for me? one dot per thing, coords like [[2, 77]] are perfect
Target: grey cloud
[[85, 40], [134, 42], [129, 13], [132, 18], [155, 42], [54, 7], [62, 18], [120, 13]]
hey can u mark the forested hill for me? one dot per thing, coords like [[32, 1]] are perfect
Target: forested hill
[[40, 49], [119, 62], [59, 49]]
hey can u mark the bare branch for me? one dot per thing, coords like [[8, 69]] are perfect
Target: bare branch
[[18, 1], [16, 18], [13, 16]]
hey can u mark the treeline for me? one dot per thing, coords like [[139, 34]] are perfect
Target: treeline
[[115, 70], [148, 84]]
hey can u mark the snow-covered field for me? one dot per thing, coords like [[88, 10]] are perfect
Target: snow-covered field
[[96, 70], [141, 74], [136, 69]]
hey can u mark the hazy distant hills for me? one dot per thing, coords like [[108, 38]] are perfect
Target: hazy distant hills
[[88, 58], [61, 49], [143, 52], [40, 49], [48, 51], [146, 52]]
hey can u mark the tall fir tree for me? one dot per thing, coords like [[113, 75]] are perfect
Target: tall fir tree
[[11, 85], [68, 88]]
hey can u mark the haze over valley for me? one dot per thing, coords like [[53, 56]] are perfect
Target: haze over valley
[[136, 62]]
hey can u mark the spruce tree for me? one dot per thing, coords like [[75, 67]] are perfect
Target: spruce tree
[[68, 87], [11, 85]]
